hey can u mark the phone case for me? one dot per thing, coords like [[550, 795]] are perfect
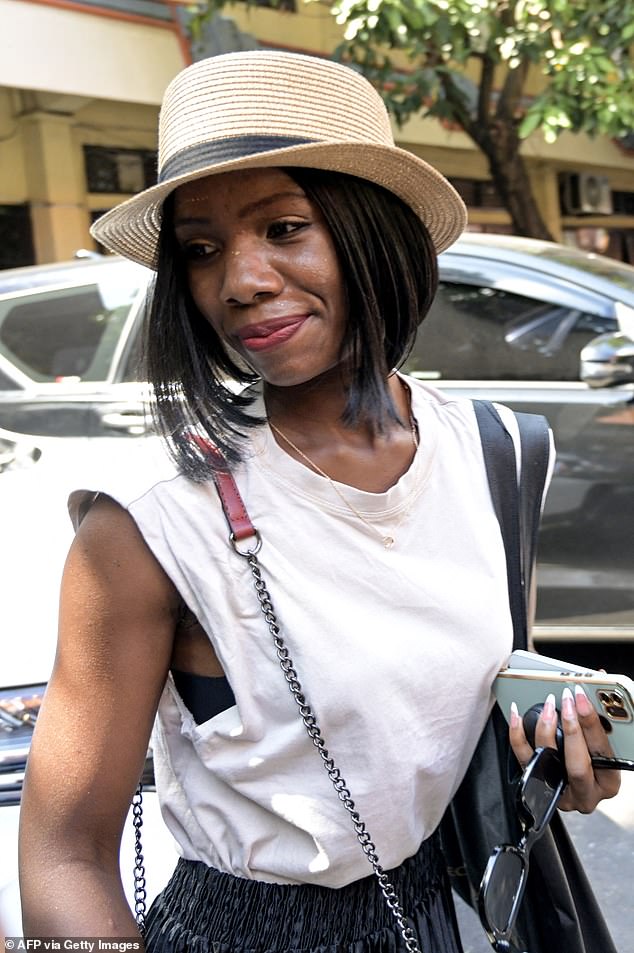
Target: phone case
[[533, 660], [611, 695]]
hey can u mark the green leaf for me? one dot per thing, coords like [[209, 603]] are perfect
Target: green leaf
[[531, 121]]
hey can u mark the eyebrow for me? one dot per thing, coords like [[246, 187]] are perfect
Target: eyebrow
[[269, 200], [191, 220], [246, 210]]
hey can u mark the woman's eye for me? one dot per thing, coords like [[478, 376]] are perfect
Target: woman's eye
[[197, 250], [285, 228]]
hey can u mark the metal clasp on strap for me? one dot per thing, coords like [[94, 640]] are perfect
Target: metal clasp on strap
[[255, 549]]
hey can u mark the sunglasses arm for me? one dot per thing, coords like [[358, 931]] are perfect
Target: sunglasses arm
[[614, 764]]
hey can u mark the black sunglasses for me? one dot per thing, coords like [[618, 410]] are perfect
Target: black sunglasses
[[504, 880]]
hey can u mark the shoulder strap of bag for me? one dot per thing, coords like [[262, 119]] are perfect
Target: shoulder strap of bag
[[517, 508]]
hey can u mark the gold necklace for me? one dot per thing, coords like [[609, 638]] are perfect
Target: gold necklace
[[389, 540]]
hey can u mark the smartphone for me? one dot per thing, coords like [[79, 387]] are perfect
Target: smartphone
[[529, 678]]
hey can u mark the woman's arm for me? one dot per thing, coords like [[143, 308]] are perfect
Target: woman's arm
[[117, 616]]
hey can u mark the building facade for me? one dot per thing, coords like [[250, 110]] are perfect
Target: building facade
[[80, 88]]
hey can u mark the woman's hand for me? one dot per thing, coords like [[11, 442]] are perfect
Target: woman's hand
[[583, 736]]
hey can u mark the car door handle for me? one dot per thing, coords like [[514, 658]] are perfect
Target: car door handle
[[132, 423]]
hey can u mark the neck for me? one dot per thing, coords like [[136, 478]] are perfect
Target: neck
[[307, 424], [314, 410]]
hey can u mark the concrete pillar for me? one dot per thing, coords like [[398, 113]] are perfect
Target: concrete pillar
[[55, 183]]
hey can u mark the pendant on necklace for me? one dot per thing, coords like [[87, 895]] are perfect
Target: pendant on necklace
[[388, 541]]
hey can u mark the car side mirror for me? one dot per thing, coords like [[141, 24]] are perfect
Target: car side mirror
[[608, 360]]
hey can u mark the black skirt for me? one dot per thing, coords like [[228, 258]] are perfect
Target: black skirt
[[204, 911]]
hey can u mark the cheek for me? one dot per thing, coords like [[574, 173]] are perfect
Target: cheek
[[327, 278], [336, 289], [204, 298]]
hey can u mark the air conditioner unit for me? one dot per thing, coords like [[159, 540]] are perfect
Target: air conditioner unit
[[585, 193]]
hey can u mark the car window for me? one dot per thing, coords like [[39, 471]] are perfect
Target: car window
[[483, 333], [132, 361], [67, 333]]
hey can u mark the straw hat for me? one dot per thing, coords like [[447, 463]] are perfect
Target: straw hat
[[265, 108]]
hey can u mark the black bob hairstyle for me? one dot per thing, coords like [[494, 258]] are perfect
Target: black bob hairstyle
[[389, 267]]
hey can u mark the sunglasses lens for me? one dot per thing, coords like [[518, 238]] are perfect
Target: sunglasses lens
[[502, 889], [541, 789]]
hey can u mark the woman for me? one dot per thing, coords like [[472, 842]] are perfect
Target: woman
[[295, 247]]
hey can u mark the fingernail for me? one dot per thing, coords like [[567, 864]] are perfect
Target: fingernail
[[548, 713], [567, 705], [582, 701], [515, 716]]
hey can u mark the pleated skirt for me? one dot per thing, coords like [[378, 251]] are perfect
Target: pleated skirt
[[204, 911]]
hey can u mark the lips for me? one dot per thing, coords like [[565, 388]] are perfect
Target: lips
[[268, 334]]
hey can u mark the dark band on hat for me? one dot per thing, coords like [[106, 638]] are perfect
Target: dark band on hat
[[208, 154]]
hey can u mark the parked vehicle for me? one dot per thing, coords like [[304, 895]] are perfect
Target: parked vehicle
[[69, 348]]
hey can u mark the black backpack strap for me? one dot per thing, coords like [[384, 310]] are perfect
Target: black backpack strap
[[517, 508]]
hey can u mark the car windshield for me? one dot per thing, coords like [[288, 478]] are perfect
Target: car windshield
[[612, 279], [610, 268], [598, 265], [68, 332]]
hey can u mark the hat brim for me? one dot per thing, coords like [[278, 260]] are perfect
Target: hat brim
[[132, 228]]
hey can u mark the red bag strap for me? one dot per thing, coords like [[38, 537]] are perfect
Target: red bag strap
[[233, 505]]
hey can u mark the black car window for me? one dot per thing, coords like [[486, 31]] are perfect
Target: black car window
[[66, 334], [482, 333]]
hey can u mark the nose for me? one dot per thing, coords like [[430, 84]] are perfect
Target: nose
[[249, 271]]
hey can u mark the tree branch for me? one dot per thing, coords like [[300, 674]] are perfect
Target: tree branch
[[455, 98], [487, 72], [512, 92]]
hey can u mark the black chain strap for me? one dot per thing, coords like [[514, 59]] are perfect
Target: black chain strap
[[314, 733], [140, 891]]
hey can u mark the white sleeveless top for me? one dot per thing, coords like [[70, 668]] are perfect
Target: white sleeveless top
[[395, 649]]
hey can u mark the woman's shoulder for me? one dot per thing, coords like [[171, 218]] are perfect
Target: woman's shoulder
[[446, 406], [457, 413], [451, 405], [131, 473]]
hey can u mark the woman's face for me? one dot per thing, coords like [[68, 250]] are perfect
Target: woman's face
[[263, 271]]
